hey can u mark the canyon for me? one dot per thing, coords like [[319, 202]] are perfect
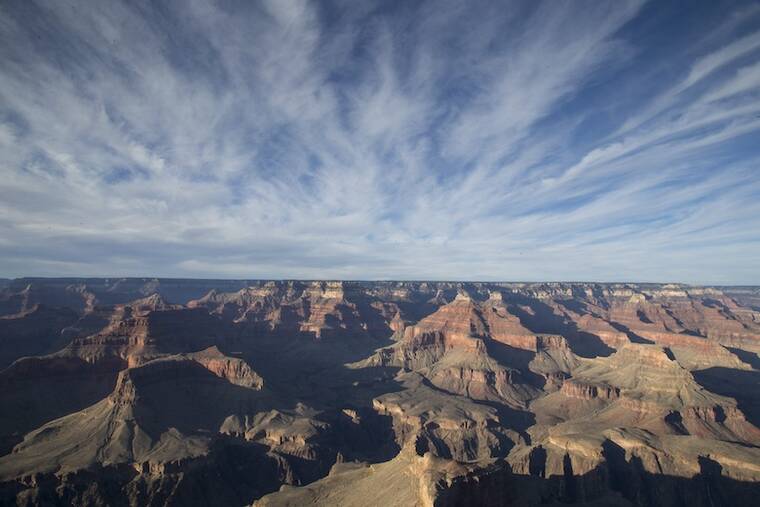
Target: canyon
[[127, 391]]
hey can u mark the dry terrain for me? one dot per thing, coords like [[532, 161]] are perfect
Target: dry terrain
[[204, 392]]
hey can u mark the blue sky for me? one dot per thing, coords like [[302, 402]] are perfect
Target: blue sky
[[608, 141]]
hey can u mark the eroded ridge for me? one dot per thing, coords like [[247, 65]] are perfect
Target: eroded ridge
[[208, 392]]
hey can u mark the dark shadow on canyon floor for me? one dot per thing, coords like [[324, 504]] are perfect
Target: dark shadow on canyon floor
[[618, 482], [742, 385], [540, 318]]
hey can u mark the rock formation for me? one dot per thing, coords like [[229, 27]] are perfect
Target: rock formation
[[185, 392]]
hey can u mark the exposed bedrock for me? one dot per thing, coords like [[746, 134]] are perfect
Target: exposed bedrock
[[182, 392]]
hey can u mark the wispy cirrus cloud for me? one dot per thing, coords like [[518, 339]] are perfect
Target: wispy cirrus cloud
[[556, 140]]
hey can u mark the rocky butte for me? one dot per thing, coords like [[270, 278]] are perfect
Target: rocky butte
[[249, 392]]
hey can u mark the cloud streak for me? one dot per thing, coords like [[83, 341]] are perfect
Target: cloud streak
[[519, 141]]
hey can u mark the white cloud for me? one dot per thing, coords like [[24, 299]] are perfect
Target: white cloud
[[746, 79], [278, 140]]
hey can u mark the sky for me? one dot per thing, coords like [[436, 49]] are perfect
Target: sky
[[444, 140]]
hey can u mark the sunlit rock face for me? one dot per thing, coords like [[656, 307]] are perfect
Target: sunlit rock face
[[425, 393]]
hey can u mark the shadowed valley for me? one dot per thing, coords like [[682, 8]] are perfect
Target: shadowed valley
[[203, 392]]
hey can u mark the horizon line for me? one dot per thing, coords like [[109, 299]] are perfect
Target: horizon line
[[378, 280]]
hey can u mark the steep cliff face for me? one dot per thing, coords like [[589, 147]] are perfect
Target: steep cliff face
[[454, 326], [233, 369], [433, 393], [670, 316], [643, 387], [447, 426], [166, 420], [450, 348], [587, 391], [139, 333]]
